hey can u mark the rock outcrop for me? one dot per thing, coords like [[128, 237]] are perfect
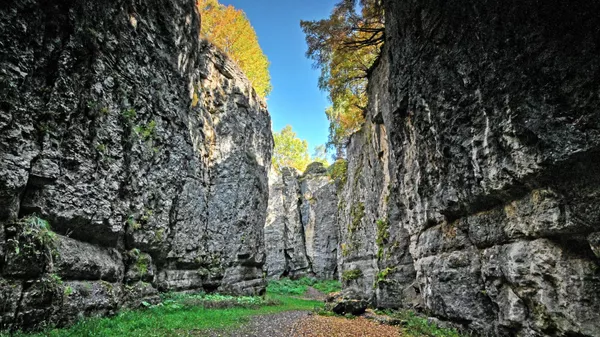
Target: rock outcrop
[[473, 188], [301, 230], [133, 159]]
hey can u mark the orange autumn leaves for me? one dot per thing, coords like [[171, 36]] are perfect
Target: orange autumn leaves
[[230, 30], [345, 46]]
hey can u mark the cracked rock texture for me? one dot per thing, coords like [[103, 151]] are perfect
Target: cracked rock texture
[[473, 190], [301, 231], [145, 150]]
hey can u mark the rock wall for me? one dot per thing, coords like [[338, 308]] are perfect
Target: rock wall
[[133, 159], [301, 231], [473, 188]]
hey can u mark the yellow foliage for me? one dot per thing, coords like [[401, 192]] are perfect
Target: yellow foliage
[[289, 150], [230, 30]]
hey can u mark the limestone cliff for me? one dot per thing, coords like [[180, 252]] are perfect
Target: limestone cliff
[[133, 158], [473, 188], [301, 231]]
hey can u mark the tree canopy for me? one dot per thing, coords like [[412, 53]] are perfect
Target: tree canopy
[[345, 46], [291, 151], [230, 30]]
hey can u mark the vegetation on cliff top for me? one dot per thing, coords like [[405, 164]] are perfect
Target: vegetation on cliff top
[[345, 46], [291, 151], [230, 30]]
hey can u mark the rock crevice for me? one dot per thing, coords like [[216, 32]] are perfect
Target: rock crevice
[[301, 231]]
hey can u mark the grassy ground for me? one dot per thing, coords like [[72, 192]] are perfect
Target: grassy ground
[[193, 314], [180, 316], [418, 326], [286, 286]]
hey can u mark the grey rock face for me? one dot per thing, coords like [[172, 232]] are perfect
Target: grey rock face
[[145, 149], [319, 214], [284, 233], [472, 189], [301, 229], [346, 302]]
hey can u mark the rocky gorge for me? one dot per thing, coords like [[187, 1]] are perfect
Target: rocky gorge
[[472, 189], [134, 159]]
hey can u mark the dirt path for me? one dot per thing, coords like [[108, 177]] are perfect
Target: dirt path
[[306, 324], [314, 294], [320, 326], [276, 325], [303, 324]]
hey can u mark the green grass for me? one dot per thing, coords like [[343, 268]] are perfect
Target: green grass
[[285, 286], [418, 326], [193, 314], [181, 315]]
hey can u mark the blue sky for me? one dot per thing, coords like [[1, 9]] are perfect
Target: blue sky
[[295, 99]]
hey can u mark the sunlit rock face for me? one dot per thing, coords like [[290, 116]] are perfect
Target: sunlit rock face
[[301, 231], [144, 149], [473, 190]]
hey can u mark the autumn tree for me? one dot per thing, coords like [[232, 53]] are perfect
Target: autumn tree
[[345, 46], [230, 30]]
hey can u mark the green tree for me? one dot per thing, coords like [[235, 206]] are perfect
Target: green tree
[[345, 46], [289, 151], [230, 30]]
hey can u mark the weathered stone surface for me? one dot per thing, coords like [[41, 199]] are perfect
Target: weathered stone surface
[[135, 294], [139, 267], [319, 214], [83, 261], [284, 233], [89, 298], [301, 232], [126, 133], [39, 305], [346, 302], [10, 295], [480, 151]]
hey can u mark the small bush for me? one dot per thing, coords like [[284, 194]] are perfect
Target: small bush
[[129, 114], [338, 171], [356, 213], [33, 237], [417, 326], [146, 132], [352, 274], [383, 235]]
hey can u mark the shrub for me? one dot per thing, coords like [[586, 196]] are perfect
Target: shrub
[[352, 274], [383, 235], [33, 238], [356, 214], [338, 171], [417, 326]]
